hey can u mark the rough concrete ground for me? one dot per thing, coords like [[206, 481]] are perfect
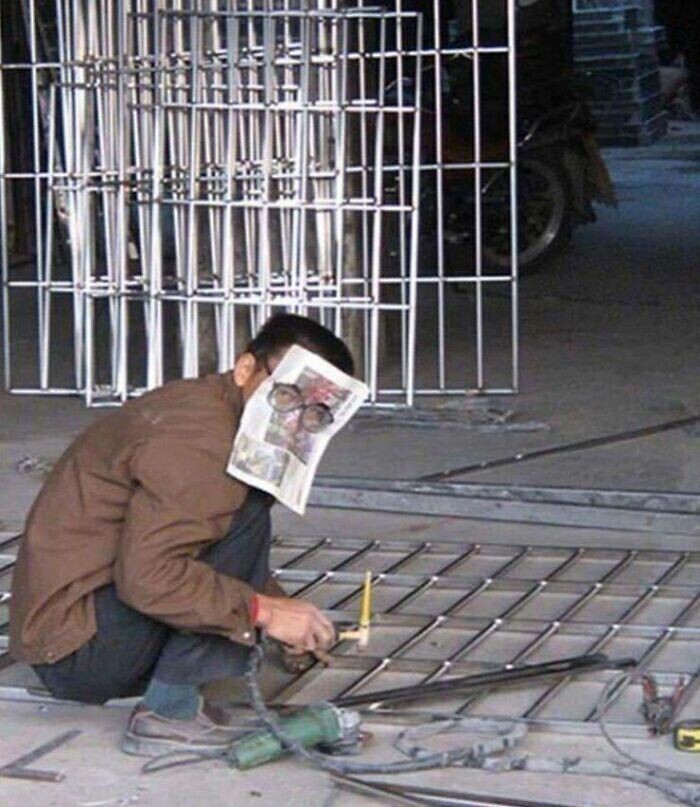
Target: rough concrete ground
[[99, 776], [610, 335]]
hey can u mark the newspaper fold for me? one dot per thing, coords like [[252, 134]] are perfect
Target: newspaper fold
[[277, 447]]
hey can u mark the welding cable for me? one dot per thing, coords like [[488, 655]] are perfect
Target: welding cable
[[657, 770], [178, 759], [417, 760], [673, 783], [441, 759]]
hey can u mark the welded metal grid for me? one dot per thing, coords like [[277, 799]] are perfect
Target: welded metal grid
[[8, 548], [199, 164], [445, 610]]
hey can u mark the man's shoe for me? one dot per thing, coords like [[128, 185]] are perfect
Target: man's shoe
[[209, 733]]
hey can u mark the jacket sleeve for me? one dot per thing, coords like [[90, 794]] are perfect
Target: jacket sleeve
[[182, 502], [272, 588]]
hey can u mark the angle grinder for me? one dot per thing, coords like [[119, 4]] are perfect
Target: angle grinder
[[321, 725]]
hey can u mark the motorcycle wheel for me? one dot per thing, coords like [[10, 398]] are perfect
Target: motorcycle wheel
[[545, 216]]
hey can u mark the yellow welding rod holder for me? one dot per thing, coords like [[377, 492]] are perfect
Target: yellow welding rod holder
[[366, 605], [362, 632]]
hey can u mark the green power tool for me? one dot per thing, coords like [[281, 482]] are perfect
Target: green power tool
[[322, 724]]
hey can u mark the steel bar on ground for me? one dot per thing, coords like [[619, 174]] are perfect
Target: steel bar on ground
[[429, 795], [581, 445], [502, 678], [17, 769]]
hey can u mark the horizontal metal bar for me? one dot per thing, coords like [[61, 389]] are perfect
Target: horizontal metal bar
[[445, 500], [511, 584], [654, 500]]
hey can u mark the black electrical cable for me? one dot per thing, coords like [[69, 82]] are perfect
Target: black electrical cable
[[665, 780], [656, 770], [442, 759]]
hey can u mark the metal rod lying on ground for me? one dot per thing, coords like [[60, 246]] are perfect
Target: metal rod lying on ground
[[374, 790], [17, 769], [410, 795], [516, 675]]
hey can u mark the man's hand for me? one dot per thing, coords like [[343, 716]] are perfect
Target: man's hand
[[298, 663], [297, 624]]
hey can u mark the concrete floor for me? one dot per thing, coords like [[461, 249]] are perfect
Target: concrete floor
[[98, 776], [610, 335]]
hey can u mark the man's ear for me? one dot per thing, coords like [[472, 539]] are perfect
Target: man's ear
[[244, 369]]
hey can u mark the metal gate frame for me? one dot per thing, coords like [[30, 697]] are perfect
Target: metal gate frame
[[473, 595], [138, 136]]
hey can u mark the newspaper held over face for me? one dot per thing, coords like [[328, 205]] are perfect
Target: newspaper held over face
[[288, 422]]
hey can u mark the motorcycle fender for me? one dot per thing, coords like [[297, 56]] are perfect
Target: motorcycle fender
[[575, 165]]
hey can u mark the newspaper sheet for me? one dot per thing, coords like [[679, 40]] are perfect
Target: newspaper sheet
[[273, 450]]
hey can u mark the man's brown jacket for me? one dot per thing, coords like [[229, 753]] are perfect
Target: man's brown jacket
[[133, 501]]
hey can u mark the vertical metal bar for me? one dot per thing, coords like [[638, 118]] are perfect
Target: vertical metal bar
[[36, 164], [341, 146], [478, 219], [440, 191], [122, 219], [4, 227], [64, 24], [404, 281], [513, 170], [227, 353], [376, 261], [265, 256], [415, 219], [45, 334], [304, 123], [154, 303], [362, 45], [191, 336], [83, 231]]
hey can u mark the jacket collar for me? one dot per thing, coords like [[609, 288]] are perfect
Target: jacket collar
[[231, 393]]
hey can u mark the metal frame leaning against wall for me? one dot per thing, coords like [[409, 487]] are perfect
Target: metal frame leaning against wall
[[196, 165]]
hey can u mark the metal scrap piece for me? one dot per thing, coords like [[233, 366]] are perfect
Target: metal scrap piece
[[17, 769], [414, 795]]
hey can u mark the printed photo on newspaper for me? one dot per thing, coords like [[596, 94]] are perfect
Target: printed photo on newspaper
[[289, 421]]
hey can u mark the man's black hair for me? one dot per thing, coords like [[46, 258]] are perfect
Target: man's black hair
[[282, 331]]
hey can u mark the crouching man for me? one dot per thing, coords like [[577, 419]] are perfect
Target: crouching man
[[144, 566]]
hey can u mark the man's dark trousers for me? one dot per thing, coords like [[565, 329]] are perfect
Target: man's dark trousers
[[130, 648]]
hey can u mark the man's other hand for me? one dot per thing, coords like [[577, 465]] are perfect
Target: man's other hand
[[297, 624]]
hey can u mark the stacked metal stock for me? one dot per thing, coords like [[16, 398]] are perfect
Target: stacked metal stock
[[616, 46]]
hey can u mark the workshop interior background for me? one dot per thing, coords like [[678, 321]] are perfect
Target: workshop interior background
[[496, 204]]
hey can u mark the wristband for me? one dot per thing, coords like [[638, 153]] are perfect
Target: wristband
[[254, 609]]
